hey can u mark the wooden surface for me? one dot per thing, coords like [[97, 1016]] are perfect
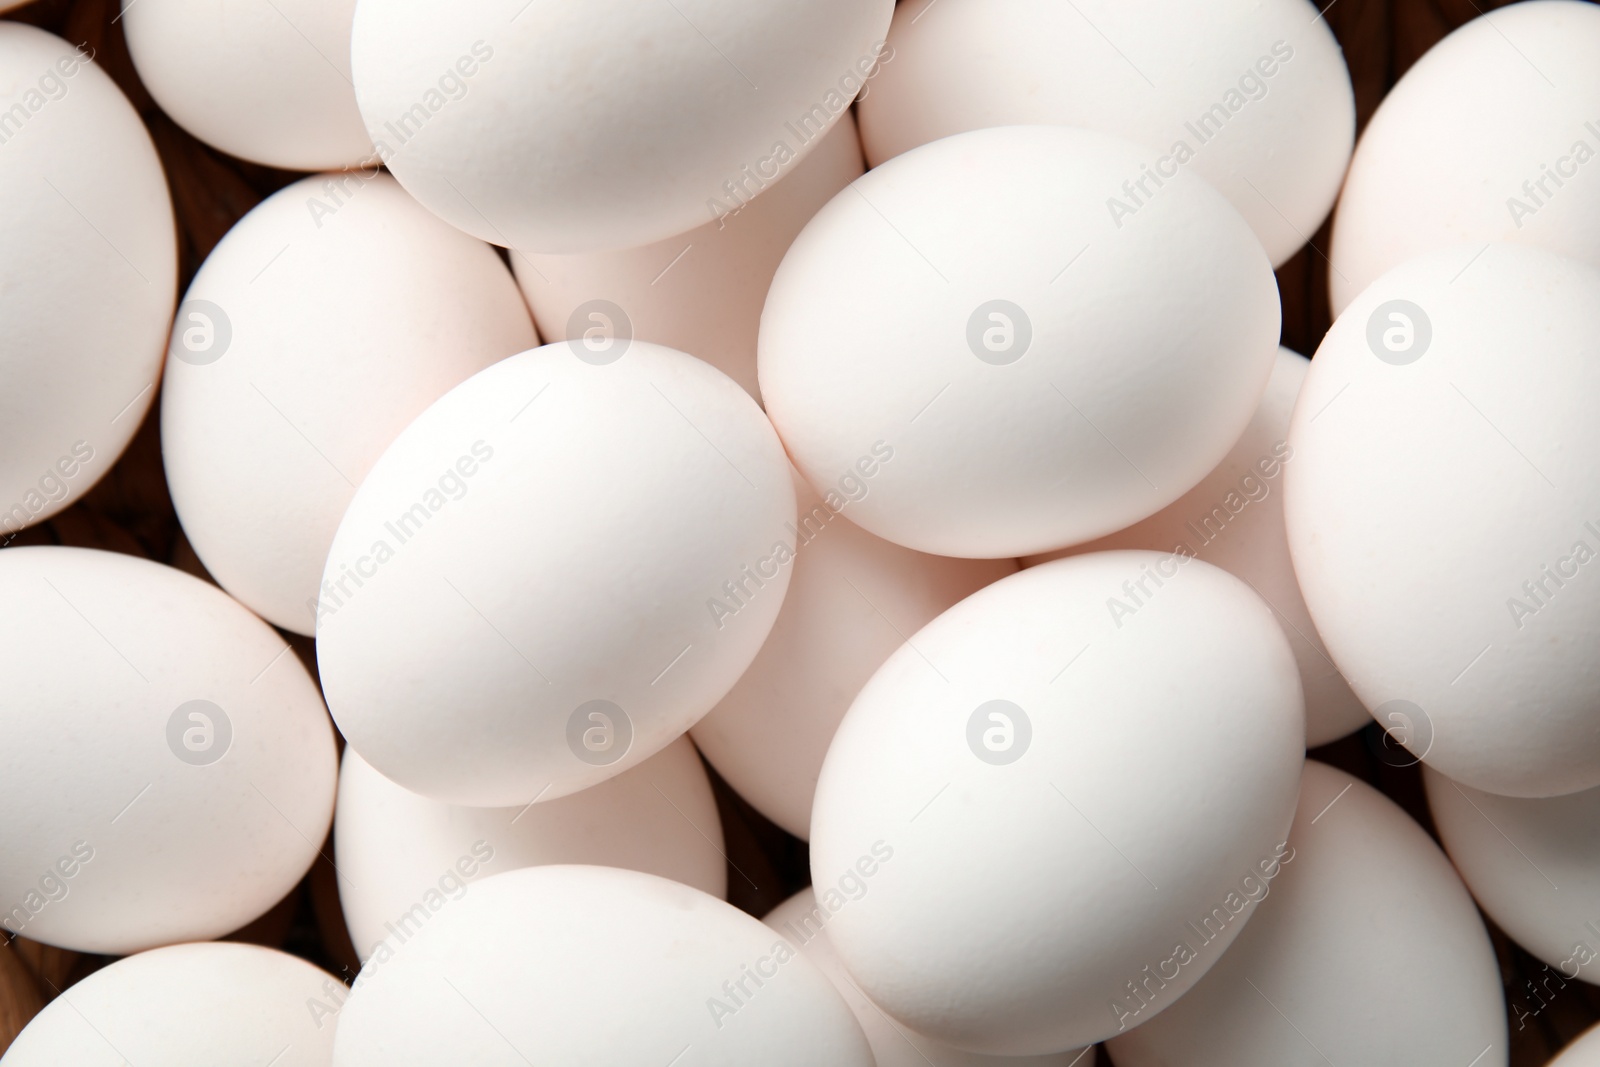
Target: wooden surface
[[130, 511]]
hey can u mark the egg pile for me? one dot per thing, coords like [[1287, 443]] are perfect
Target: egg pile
[[884, 405]]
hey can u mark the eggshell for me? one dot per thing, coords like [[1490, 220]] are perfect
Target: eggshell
[[852, 600], [802, 921], [1459, 148], [1532, 863], [196, 1005], [586, 595], [88, 270], [402, 857], [1252, 96], [1584, 1052], [264, 81], [700, 292], [1443, 457], [1234, 519], [594, 964], [1022, 374], [1034, 794], [322, 324], [168, 772], [550, 129], [1326, 970]]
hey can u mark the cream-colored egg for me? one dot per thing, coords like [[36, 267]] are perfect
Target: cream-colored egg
[[700, 292], [1326, 970], [264, 80], [1443, 512], [1253, 96], [851, 602], [326, 320], [554, 571], [168, 772], [403, 857], [1021, 373], [88, 270], [594, 964], [549, 128], [194, 1005], [1493, 135], [1034, 795]]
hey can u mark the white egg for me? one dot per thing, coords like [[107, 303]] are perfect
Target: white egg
[[1252, 96], [1493, 135], [1326, 972], [169, 771], [700, 292], [1234, 519], [403, 857], [1584, 1052], [594, 965], [852, 601], [264, 80], [195, 1005], [552, 129], [1533, 863], [326, 320], [88, 270], [803, 922], [1443, 510], [1036, 793], [1019, 373], [609, 553]]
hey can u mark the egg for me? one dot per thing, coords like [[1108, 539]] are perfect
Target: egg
[[326, 320], [1009, 371], [554, 571], [1442, 508], [267, 82], [803, 922], [1034, 796], [700, 292], [194, 1005], [1252, 96], [613, 127], [1234, 519], [1326, 972], [1584, 1052], [569, 964], [88, 272], [852, 600], [1490, 136], [1534, 866], [169, 770], [403, 857]]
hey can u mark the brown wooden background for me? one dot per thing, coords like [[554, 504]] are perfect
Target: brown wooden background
[[130, 511]]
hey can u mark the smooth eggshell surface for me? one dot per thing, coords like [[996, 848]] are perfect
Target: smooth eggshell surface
[[700, 292], [554, 129], [1252, 96], [1533, 863], [402, 857], [535, 965], [324, 322], [1584, 1052], [1325, 973], [1490, 136], [1035, 794], [803, 922], [195, 1005], [168, 773], [1234, 519], [1443, 507], [553, 572], [1040, 376], [852, 600], [88, 271], [264, 81]]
